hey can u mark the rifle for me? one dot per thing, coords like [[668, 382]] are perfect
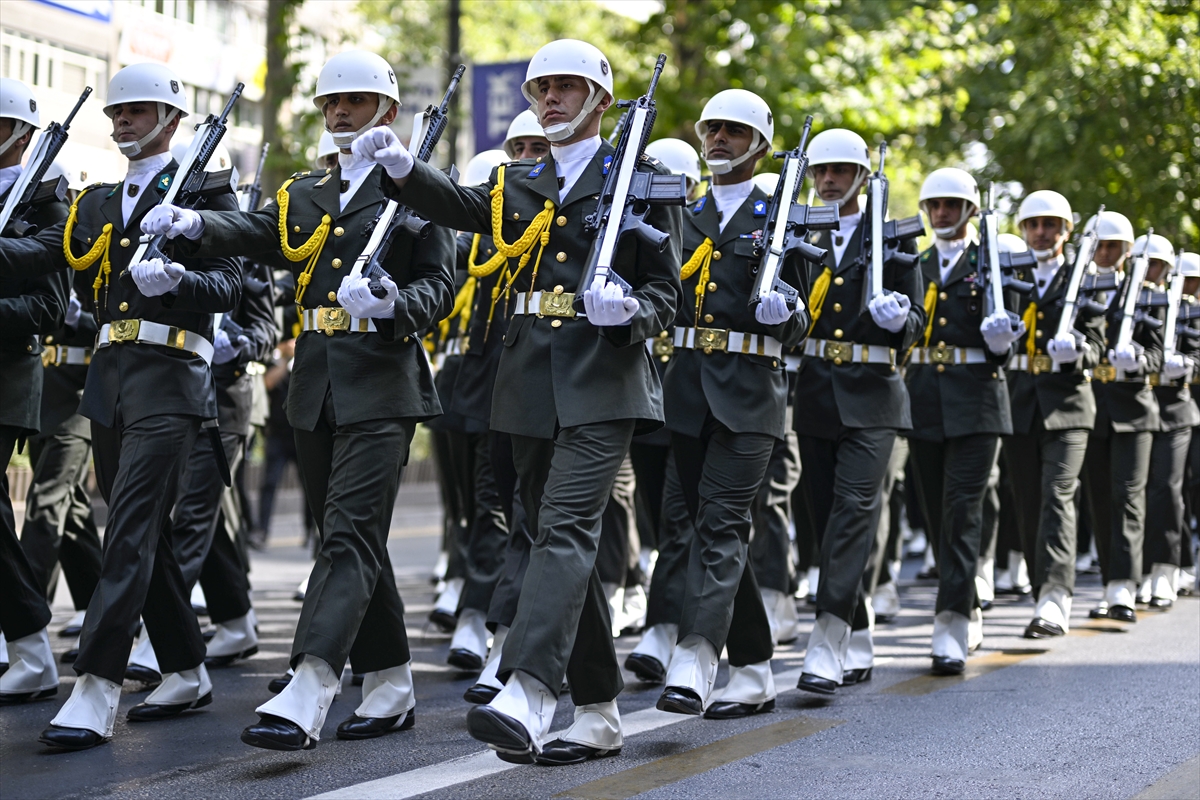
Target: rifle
[[1175, 297], [996, 271], [789, 224], [253, 196], [882, 237], [1133, 293], [29, 191], [429, 124], [628, 194]]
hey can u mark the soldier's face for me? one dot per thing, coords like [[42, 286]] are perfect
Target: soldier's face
[[1191, 286], [560, 98], [725, 140], [1156, 270], [132, 121], [1044, 233], [1109, 255], [944, 212], [529, 147], [833, 181], [12, 156], [346, 113]]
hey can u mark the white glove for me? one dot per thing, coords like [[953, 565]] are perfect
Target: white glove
[[74, 309], [773, 310], [173, 221], [890, 311], [382, 146], [1127, 358], [154, 278], [606, 305], [1176, 365], [225, 350], [998, 333], [1064, 349], [356, 297]]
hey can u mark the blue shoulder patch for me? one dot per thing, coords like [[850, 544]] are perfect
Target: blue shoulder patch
[[696, 209], [760, 208], [607, 164], [164, 182], [533, 173]]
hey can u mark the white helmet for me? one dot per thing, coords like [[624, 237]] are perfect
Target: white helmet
[[524, 124], [1160, 247], [840, 146], [767, 181], [220, 158], [18, 104], [1189, 265], [738, 105], [357, 71], [1011, 243], [1045, 203], [955, 183], [569, 57], [147, 83], [1111, 226], [325, 146], [480, 167], [678, 156]]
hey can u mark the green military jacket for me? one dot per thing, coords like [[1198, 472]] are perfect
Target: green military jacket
[[745, 393], [372, 375], [563, 371], [1176, 403], [1127, 406]]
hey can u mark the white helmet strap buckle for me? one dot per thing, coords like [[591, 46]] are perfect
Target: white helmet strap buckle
[[565, 130], [20, 128], [131, 149], [723, 166], [344, 140]]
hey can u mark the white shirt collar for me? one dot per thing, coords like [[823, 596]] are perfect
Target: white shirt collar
[[8, 176], [841, 237], [570, 160], [150, 165], [1044, 272], [729, 198], [354, 171], [138, 176]]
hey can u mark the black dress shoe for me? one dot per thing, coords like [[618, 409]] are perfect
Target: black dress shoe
[[514, 758], [729, 710], [853, 676], [443, 620], [356, 678], [1020, 591], [69, 656], [225, 661], [71, 631], [200, 611], [70, 738], [491, 727], [1043, 629], [818, 685], [208, 633], [559, 753], [464, 659], [930, 574], [277, 685], [3, 667], [679, 700], [1098, 613], [16, 698], [985, 605], [147, 712], [648, 669], [277, 733], [943, 665], [1161, 603], [1122, 614], [480, 694], [136, 672], [356, 727]]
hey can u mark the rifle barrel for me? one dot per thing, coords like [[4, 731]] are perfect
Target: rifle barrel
[[87, 90], [658, 68]]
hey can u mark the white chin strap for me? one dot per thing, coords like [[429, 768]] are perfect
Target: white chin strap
[[722, 166], [853, 192], [20, 128], [1042, 255], [344, 140], [950, 233], [131, 149], [565, 130]]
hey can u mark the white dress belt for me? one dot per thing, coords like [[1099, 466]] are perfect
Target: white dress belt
[[726, 341], [849, 352], [547, 304], [333, 319], [145, 332], [948, 355], [56, 355]]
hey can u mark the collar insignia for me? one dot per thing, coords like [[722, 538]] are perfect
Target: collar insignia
[[700, 205], [760, 208], [607, 164], [533, 173]]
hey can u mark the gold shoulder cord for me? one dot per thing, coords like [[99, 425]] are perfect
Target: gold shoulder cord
[[816, 298], [931, 298], [701, 260], [100, 248], [310, 249], [1030, 320]]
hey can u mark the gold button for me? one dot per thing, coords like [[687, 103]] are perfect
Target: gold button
[[405, 340], [124, 306], [561, 221], [89, 240], [995, 375], [1040, 333], [124, 243], [838, 281], [941, 320], [556, 323], [837, 334], [941, 367], [774, 363], [716, 255], [1041, 315], [49, 340], [838, 361], [29, 348], [558, 289], [708, 317], [336, 263], [332, 296], [712, 287], [664, 359], [837, 306], [561, 257], [237, 373], [296, 229], [339, 230], [941, 344], [516, 215], [943, 296]]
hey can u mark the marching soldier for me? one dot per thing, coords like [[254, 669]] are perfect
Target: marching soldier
[[850, 403], [960, 408], [572, 389], [29, 307], [359, 386], [148, 389], [1053, 409]]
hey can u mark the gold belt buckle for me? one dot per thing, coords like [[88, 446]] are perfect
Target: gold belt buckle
[[1156, 379], [663, 347], [941, 354], [332, 319], [1105, 373], [1042, 363], [710, 339], [557, 304], [839, 352], [124, 330], [50, 356]]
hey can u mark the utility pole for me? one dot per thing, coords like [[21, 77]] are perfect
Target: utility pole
[[453, 59]]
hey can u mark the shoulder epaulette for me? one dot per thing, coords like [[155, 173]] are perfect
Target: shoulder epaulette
[[928, 254], [302, 174]]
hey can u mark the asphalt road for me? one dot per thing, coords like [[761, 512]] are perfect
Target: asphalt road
[[1110, 711]]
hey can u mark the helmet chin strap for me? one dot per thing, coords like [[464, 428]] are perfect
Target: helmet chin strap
[[1042, 255], [964, 216], [723, 166], [565, 130], [132, 149], [853, 190], [344, 140], [20, 128]]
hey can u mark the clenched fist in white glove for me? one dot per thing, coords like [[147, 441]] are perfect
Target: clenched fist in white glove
[[382, 146], [998, 333], [773, 310], [1064, 349], [74, 310], [173, 221], [1175, 365], [1127, 357], [156, 277], [225, 349], [355, 296], [606, 305], [890, 311]]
